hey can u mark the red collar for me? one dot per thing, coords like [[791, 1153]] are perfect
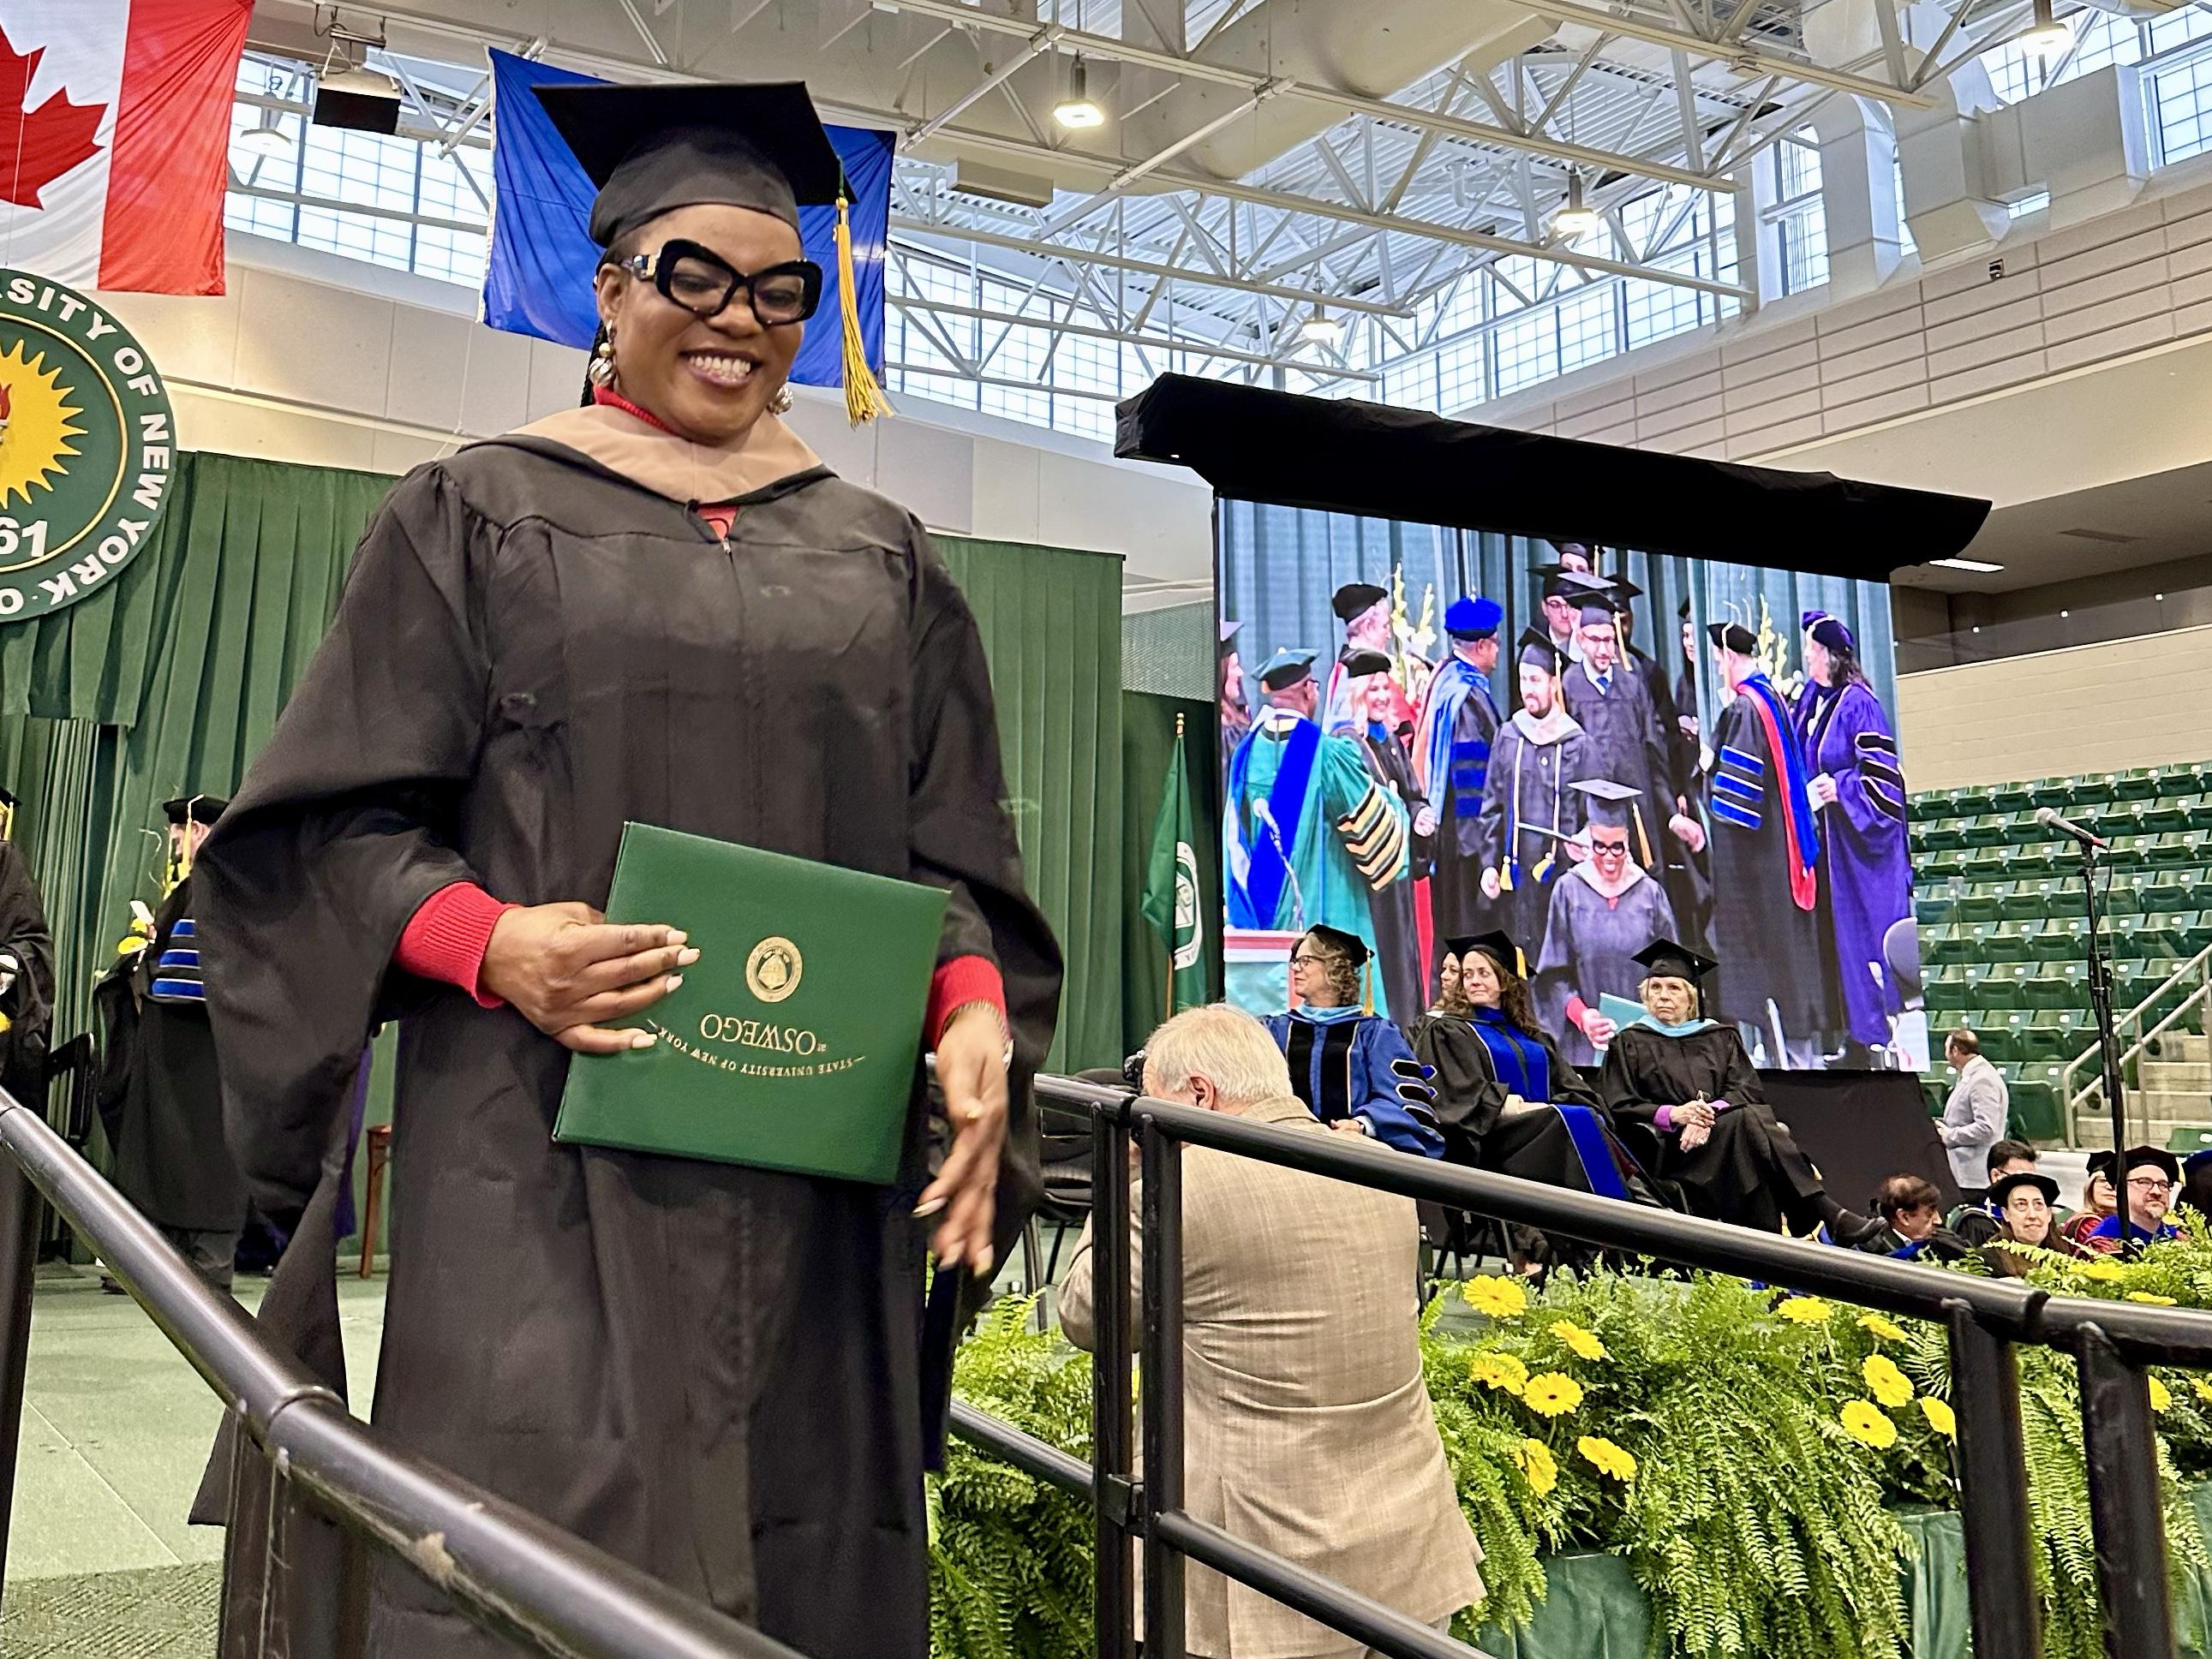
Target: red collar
[[613, 400]]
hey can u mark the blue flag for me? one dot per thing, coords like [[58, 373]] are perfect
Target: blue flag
[[539, 277]]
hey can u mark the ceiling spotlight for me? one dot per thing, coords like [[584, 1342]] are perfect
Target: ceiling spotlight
[[2048, 38], [1321, 329], [1077, 111], [1576, 218], [268, 140]]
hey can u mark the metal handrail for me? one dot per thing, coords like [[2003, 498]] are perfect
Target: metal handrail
[[2078, 1099], [506, 1569], [1986, 1319]]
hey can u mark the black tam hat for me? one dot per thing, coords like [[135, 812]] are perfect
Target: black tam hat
[[1286, 669], [1346, 944], [1357, 664], [194, 809], [1354, 598], [1664, 959], [1732, 637]]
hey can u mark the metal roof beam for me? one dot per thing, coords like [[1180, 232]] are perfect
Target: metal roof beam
[[1751, 60], [1155, 342]]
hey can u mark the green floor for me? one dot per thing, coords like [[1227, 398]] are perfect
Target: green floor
[[116, 1429]]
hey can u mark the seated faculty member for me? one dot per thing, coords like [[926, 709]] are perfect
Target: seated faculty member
[[1978, 1219], [1689, 1082], [1912, 1223], [2024, 1203], [2149, 1176], [1350, 1065], [661, 607], [1308, 1429]]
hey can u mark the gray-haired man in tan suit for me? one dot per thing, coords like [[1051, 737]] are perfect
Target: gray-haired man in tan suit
[[1307, 1429]]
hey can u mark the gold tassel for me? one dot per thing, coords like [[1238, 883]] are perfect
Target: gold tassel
[[864, 398], [1367, 987]]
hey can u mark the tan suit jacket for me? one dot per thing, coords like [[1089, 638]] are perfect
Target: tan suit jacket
[[1307, 1427]]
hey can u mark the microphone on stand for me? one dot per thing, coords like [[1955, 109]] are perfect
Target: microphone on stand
[[2051, 818]]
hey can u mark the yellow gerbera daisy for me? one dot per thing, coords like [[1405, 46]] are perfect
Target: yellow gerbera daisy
[[1885, 1381], [2154, 1301], [2103, 1272], [2203, 1389], [1804, 1310], [1584, 1343], [1501, 1372], [1941, 1418], [1537, 1462], [1888, 1329], [1606, 1458], [1865, 1422], [2161, 1397], [1501, 1298], [1552, 1394]]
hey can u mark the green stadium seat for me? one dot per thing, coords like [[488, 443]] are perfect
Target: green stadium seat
[[2037, 1111], [2027, 901], [2058, 985], [2171, 812], [1939, 836], [1983, 900], [1930, 909], [2188, 1138], [2136, 783], [1978, 864], [1986, 829], [2013, 798], [1971, 801], [2168, 892]]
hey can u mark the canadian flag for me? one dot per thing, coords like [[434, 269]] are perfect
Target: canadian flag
[[114, 139]]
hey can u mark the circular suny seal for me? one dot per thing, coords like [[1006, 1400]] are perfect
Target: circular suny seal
[[87, 447], [773, 970]]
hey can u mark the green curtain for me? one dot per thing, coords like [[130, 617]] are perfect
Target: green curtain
[[166, 683], [1148, 735], [1051, 623]]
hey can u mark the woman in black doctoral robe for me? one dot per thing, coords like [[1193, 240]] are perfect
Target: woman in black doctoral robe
[[661, 607], [27, 971], [1506, 1098], [1687, 1088]]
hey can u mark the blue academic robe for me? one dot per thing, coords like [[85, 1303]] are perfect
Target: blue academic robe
[[1345, 1063]]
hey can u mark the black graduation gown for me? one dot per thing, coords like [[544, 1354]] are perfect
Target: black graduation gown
[[1689, 888], [1622, 741], [29, 1004], [1532, 1145], [1457, 905], [1397, 932], [1769, 948], [160, 1091], [1590, 946], [1529, 807], [1752, 1169], [714, 1373]]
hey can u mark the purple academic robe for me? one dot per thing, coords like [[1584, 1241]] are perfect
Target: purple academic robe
[[1867, 884]]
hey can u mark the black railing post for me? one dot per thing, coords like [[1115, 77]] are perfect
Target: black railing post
[[1111, 1429], [20, 1213], [2125, 1504], [1993, 1490], [1162, 1348]]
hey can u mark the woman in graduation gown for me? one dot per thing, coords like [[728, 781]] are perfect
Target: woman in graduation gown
[[1349, 1064], [1506, 1098], [1687, 1084], [663, 608]]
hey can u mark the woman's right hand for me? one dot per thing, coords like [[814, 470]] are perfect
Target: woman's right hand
[[567, 972]]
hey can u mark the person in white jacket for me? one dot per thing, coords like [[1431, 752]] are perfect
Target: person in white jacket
[[1974, 1116]]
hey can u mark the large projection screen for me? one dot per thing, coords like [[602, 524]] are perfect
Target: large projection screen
[[1769, 817], [1766, 824]]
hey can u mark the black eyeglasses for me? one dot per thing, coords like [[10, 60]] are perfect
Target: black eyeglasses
[[704, 283]]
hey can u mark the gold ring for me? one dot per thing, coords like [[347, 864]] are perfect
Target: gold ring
[[971, 1115]]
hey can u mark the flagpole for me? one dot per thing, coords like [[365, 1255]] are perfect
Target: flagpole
[[1171, 949]]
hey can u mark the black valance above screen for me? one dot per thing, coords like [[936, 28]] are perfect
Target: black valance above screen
[[1341, 456]]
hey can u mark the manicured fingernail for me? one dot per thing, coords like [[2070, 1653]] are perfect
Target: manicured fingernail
[[951, 1259], [983, 1266], [929, 1206], [675, 983], [676, 937], [686, 958], [642, 1040]]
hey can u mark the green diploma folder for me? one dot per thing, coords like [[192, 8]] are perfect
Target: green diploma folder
[[793, 1042]]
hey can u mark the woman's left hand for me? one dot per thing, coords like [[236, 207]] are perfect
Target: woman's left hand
[[971, 1069]]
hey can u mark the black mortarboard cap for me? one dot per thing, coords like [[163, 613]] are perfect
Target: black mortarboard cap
[[2154, 1155], [1663, 958], [2100, 1164], [1559, 581], [1608, 801], [1357, 664], [650, 148], [1732, 637], [1349, 944], [1535, 646], [1586, 551], [1684, 611], [1498, 947], [1623, 589], [1355, 598], [196, 809], [1285, 669]]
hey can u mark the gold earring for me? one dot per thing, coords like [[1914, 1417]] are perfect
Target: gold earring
[[781, 402], [600, 371]]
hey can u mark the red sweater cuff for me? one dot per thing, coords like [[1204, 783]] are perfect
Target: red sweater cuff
[[447, 938], [958, 983]]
